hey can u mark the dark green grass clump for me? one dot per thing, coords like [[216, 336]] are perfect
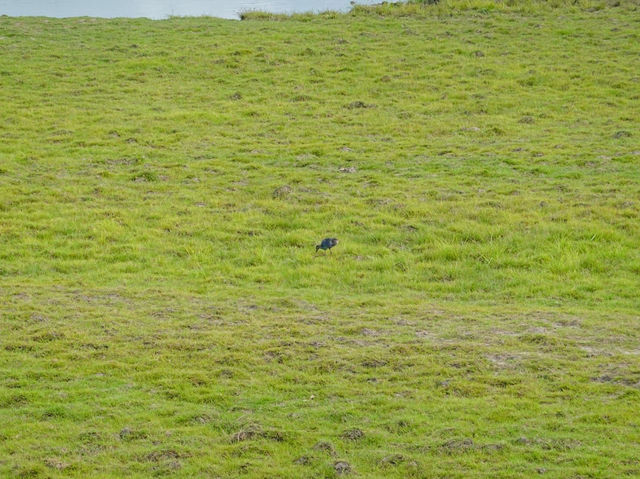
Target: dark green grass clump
[[162, 189]]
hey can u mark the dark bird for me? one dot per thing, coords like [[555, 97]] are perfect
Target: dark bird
[[327, 243]]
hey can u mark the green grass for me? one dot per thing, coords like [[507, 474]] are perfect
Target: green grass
[[162, 187]]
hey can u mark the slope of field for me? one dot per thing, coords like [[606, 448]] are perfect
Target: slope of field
[[163, 185]]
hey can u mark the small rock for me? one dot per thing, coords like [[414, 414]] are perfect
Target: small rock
[[342, 467]]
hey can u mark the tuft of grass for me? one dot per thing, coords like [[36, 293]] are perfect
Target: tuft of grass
[[163, 186]]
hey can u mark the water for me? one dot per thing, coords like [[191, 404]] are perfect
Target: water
[[159, 9]]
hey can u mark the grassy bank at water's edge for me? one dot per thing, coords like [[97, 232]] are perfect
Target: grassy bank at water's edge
[[163, 185]]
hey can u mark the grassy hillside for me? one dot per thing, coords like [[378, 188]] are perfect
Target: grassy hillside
[[162, 187]]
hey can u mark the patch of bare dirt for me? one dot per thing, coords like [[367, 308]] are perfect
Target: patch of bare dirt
[[325, 446], [353, 434], [342, 467]]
